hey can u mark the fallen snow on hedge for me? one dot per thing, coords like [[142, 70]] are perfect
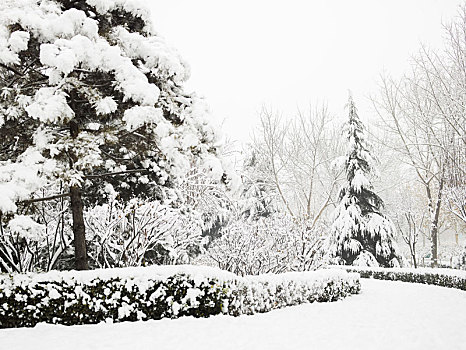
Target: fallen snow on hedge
[[385, 316], [130, 294], [440, 277]]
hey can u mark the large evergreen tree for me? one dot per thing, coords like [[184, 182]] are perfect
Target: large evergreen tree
[[360, 234], [91, 101]]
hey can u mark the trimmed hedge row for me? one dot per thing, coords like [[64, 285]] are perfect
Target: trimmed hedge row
[[88, 297], [439, 277]]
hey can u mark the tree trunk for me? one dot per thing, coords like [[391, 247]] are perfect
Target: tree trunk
[[414, 255], [79, 231], [434, 225], [434, 238]]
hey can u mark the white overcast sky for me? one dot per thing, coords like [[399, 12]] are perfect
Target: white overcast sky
[[287, 54]]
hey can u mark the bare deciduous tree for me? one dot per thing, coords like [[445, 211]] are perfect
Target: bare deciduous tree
[[297, 158], [426, 110]]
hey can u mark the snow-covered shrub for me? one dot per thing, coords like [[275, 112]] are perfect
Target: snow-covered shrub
[[141, 233], [440, 277], [40, 243], [272, 244], [155, 292], [167, 231]]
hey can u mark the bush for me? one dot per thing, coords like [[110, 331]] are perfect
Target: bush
[[274, 244], [440, 277], [131, 294]]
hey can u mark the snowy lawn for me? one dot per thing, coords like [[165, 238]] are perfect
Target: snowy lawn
[[386, 315]]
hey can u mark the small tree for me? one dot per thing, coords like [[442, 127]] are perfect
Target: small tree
[[360, 234], [92, 97]]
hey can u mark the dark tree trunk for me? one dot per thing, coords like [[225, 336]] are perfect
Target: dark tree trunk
[[434, 237], [414, 255], [434, 224], [79, 230]]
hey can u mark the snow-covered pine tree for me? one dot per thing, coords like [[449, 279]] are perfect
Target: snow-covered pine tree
[[92, 100], [258, 198], [360, 234]]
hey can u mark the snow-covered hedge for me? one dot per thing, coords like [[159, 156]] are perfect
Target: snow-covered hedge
[[130, 294], [440, 277]]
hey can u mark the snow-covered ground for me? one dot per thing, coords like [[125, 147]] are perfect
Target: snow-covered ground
[[386, 315]]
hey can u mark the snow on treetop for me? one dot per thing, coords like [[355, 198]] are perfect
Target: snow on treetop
[[70, 39], [159, 58], [136, 7]]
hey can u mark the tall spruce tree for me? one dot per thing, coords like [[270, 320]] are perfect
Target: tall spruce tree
[[91, 101], [360, 235]]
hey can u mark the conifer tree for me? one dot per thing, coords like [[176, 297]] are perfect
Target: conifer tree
[[259, 196], [92, 100], [360, 234]]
